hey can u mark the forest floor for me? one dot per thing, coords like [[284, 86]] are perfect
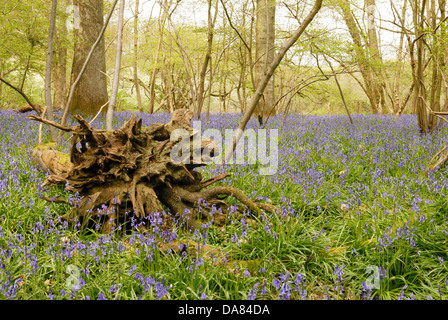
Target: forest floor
[[359, 221]]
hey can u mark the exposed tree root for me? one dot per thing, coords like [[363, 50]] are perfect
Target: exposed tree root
[[437, 161], [130, 171]]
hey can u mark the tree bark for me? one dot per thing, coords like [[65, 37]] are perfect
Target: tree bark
[[85, 65], [91, 92], [60, 75]]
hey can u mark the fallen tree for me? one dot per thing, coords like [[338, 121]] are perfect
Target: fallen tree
[[129, 172]]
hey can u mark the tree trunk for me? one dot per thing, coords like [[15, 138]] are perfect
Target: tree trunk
[[398, 73], [208, 55], [136, 82], [48, 98], [438, 60], [162, 21], [367, 55], [27, 66], [2, 74], [419, 99], [91, 92], [60, 75], [443, 39], [210, 90], [116, 80], [264, 53], [376, 59]]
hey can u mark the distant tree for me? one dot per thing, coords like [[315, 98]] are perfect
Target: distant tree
[[367, 53], [287, 44], [427, 44]]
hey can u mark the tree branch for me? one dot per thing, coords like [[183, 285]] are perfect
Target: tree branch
[[37, 108]]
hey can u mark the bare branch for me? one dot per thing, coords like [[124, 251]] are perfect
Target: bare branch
[[36, 107]]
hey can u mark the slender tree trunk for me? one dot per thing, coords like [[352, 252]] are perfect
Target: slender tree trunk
[[419, 98], [2, 74], [116, 80], [210, 89], [264, 53], [167, 79], [398, 73], [438, 60], [27, 67], [340, 90], [207, 58], [162, 21], [444, 48], [136, 82], [375, 57], [48, 98]]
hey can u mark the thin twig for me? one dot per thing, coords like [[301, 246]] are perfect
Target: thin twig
[[99, 112], [39, 140], [52, 123], [22, 94]]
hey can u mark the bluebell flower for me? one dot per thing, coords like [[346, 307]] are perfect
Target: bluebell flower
[[101, 296], [132, 269]]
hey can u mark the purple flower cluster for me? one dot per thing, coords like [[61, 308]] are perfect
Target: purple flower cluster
[[285, 284], [149, 283]]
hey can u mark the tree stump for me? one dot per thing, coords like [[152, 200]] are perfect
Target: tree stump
[[129, 171]]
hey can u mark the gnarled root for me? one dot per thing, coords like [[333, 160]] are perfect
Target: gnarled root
[[130, 171]]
